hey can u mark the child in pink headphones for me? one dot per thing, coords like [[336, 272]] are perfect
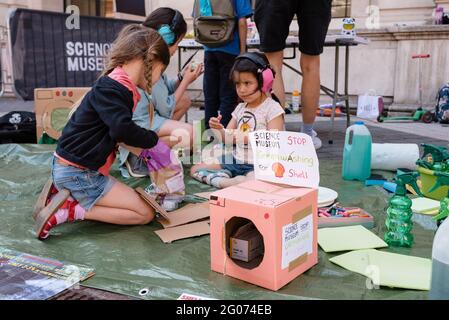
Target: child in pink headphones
[[253, 78]]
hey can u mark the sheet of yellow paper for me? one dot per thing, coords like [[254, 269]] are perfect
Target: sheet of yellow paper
[[348, 238], [388, 269], [425, 206]]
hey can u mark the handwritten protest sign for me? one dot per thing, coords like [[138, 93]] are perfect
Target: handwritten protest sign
[[285, 157]]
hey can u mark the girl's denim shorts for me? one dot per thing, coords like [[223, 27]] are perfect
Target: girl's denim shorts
[[86, 186]]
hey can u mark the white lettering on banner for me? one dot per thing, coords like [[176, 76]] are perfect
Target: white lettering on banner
[[86, 56], [296, 240]]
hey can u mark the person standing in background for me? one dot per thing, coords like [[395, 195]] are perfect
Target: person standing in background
[[219, 91], [273, 19]]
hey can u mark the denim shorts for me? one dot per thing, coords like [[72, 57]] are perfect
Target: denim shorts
[[85, 186], [236, 168]]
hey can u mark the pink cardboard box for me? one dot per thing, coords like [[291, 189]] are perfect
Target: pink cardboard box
[[286, 217]]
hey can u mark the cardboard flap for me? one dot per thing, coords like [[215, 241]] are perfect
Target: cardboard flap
[[185, 231], [189, 213], [245, 229], [259, 186], [262, 193], [153, 203], [205, 195]]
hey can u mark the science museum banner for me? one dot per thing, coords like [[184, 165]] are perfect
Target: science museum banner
[[52, 49]]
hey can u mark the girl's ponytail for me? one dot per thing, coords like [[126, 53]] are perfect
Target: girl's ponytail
[[148, 65]]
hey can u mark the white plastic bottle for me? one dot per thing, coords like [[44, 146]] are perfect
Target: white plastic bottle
[[295, 100], [439, 288]]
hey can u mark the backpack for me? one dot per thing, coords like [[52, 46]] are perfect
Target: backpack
[[442, 106], [214, 22], [18, 127]]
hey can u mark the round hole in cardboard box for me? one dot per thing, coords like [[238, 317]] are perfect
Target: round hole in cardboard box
[[59, 118], [244, 243]]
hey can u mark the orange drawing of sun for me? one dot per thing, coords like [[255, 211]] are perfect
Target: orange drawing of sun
[[245, 127], [278, 169]]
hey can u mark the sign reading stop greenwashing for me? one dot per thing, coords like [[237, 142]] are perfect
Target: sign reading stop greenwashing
[[285, 157]]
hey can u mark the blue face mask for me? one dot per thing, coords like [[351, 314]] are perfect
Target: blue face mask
[[167, 34]]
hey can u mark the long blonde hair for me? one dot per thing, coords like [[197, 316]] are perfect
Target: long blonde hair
[[135, 41]]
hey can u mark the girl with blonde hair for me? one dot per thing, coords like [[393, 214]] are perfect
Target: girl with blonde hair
[[100, 122]]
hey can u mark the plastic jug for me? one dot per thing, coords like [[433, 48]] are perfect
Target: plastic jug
[[439, 287], [357, 153]]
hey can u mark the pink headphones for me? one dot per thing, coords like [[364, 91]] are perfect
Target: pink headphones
[[265, 72]]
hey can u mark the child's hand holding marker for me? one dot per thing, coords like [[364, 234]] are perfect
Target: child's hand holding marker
[[214, 123]]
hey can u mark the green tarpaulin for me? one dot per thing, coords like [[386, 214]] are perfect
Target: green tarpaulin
[[127, 259]]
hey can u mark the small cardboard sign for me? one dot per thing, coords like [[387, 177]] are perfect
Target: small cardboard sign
[[297, 240], [285, 157]]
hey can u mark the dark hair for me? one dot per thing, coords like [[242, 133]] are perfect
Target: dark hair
[[247, 65], [162, 16]]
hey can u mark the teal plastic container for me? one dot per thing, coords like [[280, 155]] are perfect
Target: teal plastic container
[[357, 153]]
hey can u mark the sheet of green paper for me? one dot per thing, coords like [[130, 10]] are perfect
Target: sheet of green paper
[[348, 238], [388, 269]]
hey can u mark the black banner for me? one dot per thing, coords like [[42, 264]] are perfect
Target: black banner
[[46, 53], [136, 7]]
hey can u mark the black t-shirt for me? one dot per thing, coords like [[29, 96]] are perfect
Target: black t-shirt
[[103, 119]]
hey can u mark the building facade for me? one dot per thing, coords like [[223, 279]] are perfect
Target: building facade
[[396, 29]]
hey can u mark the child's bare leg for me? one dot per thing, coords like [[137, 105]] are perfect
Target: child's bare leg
[[250, 175], [116, 216], [224, 183], [170, 141], [181, 133], [121, 205], [196, 167], [182, 106]]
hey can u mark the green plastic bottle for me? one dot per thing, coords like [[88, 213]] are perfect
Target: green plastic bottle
[[399, 212]]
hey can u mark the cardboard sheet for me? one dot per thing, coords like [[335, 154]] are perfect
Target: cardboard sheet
[[388, 269], [185, 231], [189, 213], [205, 195], [153, 203], [348, 238]]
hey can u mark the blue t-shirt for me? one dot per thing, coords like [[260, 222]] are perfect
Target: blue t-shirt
[[243, 9]]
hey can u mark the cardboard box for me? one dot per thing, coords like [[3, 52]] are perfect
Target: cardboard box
[[286, 217], [246, 244]]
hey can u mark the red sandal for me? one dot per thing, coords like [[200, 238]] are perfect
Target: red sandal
[[46, 219], [44, 198]]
